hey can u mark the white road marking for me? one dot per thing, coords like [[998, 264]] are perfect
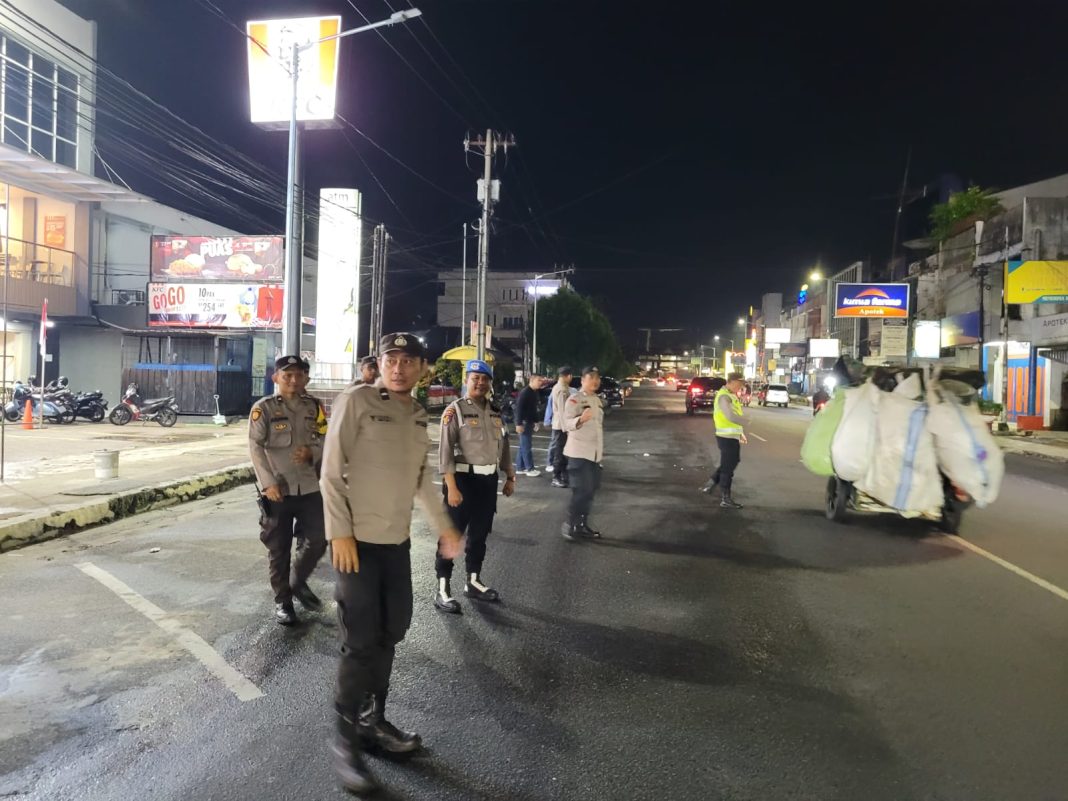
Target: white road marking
[[244, 689], [751, 434], [1019, 571]]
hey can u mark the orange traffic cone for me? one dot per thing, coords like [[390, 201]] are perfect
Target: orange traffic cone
[[27, 416]]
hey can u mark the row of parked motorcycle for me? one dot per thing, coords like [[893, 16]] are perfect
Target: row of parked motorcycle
[[59, 404]]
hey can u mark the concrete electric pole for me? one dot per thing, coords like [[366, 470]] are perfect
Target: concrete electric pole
[[489, 192], [379, 254]]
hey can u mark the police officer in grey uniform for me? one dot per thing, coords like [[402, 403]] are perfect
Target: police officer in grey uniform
[[473, 448], [285, 437], [374, 466], [368, 370], [584, 424]]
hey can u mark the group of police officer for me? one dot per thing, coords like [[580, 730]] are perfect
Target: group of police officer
[[353, 485]]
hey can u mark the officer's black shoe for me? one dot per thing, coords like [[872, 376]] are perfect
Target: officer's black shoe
[[349, 766], [710, 487], [378, 732], [478, 591], [561, 484], [571, 532], [443, 599], [729, 503], [308, 599], [585, 529], [285, 614]]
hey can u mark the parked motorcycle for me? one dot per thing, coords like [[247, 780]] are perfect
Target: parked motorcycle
[[133, 407], [54, 409], [91, 406]]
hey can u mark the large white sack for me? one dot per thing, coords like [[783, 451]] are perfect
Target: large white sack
[[854, 441], [965, 448], [903, 473]]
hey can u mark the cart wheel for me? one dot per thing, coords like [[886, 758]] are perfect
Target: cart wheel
[[952, 514], [838, 493]]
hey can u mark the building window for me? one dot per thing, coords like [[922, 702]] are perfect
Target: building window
[[38, 104]]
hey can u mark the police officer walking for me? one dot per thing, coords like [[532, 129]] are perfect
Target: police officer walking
[[584, 423], [285, 437], [561, 392], [730, 436], [374, 466], [473, 448]]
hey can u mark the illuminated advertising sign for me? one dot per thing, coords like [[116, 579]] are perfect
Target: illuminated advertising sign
[[927, 339], [871, 300], [960, 329], [1037, 282], [338, 297], [270, 51], [215, 306], [793, 350], [234, 259], [776, 336], [824, 348]]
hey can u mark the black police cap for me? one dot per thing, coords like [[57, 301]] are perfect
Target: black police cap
[[285, 362], [404, 342]]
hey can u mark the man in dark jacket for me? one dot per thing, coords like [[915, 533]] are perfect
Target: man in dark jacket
[[526, 422]]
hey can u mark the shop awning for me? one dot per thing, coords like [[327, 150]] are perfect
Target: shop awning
[[38, 175]]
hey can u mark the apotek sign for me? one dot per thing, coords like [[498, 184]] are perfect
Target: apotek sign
[[872, 300], [1036, 282]]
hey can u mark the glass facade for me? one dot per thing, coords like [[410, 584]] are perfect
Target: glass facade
[[39, 104]]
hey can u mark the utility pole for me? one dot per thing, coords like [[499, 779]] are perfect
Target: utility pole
[[383, 261], [463, 301], [1003, 422], [489, 193], [380, 252]]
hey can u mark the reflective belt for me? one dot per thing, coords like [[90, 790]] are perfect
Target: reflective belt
[[477, 469]]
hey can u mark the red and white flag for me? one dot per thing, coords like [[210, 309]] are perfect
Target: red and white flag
[[44, 324]]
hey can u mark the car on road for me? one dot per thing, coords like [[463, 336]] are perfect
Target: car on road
[[681, 384], [661, 381], [776, 395], [702, 393]]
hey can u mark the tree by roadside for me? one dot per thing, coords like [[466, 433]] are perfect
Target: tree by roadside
[[572, 331]]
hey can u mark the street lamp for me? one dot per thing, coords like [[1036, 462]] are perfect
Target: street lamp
[[534, 344], [815, 276], [291, 325]]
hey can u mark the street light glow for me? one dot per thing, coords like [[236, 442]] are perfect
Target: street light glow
[[816, 276]]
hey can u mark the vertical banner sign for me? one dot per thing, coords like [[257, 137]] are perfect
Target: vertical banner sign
[[42, 340], [337, 295], [895, 339]]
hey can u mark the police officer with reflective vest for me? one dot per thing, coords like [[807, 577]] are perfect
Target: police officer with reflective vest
[[472, 450], [374, 466], [285, 435], [730, 436]]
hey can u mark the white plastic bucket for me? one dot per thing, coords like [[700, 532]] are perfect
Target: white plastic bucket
[[107, 463]]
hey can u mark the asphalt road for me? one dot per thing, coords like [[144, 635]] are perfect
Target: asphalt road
[[693, 653]]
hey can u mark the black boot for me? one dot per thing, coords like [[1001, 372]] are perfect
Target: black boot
[[349, 766], [478, 591], [571, 532], [584, 527], [711, 485], [728, 502], [375, 730], [443, 599], [308, 599], [285, 614], [560, 483]]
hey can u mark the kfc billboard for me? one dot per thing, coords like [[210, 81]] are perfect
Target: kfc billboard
[[215, 306], [236, 259]]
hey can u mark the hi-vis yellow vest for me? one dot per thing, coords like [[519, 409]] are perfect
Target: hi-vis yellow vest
[[724, 427]]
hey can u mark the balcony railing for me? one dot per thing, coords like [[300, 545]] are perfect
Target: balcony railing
[[33, 261]]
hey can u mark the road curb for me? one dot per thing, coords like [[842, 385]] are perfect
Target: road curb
[[1009, 445], [56, 522]]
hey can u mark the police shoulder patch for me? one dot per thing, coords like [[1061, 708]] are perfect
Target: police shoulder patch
[[448, 416], [257, 413]]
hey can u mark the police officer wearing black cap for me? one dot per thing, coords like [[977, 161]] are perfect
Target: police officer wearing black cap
[[374, 466], [584, 423], [285, 436], [472, 452], [368, 370]]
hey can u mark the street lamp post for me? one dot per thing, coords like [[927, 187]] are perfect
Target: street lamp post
[[291, 325], [534, 344]]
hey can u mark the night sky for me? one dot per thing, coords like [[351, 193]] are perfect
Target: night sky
[[686, 157]]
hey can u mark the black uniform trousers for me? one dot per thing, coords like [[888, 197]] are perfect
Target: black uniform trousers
[[585, 481], [374, 611], [730, 456], [473, 517], [276, 532], [560, 462]]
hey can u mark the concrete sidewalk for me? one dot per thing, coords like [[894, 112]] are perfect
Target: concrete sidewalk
[[50, 489], [1051, 445]]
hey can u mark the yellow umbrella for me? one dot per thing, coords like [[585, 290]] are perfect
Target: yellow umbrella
[[465, 353]]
